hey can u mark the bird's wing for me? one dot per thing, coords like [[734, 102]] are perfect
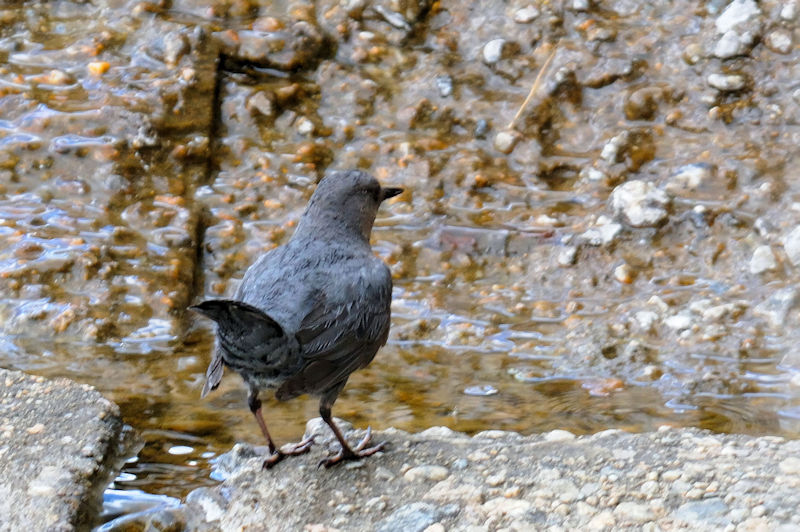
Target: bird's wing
[[342, 332], [244, 332]]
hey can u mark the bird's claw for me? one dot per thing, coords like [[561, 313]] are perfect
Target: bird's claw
[[361, 451], [293, 450]]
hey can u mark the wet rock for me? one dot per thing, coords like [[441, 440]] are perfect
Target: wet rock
[[789, 10], [505, 141], [689, 178], [791, 245], [493, 51], [779, 41], [735, 14], [776, 307], [642, 104], [295, 47], [727, 82], [632, 147], [526, 15], [740, 27], [567, 255], [640, 204], [763, 260], [603, 233]]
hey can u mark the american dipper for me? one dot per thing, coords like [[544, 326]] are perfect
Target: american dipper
[[310, 312]]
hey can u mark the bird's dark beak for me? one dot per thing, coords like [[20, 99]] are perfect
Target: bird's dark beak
[[390, 192]]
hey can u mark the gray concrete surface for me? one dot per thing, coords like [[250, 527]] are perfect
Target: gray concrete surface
[[439, 480], [58, 451]]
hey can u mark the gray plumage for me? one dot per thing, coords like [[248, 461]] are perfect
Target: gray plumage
[[309, 313]]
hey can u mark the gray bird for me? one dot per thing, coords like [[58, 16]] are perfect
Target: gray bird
[[310, 312]]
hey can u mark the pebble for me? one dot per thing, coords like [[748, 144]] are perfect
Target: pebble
[[763, 260], [624, 273], [646, 319], [732, 44], [791, 245], [779, 41], [493, 51], [777, 306], [414, 517], [525, 15], [679, 322], [726, 82], [603, 520], [603, 233], [736, 13], [640, 203], [634, 511], [790, 466], [789, 10], [505, 141], [567, 255], [559, 435], [689, 177]]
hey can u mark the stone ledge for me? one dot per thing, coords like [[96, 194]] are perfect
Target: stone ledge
[[58, 451]]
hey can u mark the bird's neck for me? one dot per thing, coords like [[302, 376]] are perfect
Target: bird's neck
[[334, 226]]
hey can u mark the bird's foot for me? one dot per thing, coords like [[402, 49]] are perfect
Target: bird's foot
[[361, 451], [288, 450]]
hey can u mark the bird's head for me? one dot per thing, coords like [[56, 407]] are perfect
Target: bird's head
[[347, 200]]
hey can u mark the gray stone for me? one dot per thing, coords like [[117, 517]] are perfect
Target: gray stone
[[58, 444], [776, 308], [414, 517], [708, 512]]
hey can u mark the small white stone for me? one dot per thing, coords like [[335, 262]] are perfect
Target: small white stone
[[602, 521], [305, 126], [559, 435], [566, 256], [726, 82], [735, 13], [791, 245], [493, 51], [526, 14], [640, 203], [689, 177], [779, 41], [505, 141], [789, 10], [646, 319], [763, 260], [679, 322], [729, 45], [790, 466], [426, 472], [633, 511]]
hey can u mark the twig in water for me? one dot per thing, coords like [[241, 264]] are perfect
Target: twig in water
[[535, 86]]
